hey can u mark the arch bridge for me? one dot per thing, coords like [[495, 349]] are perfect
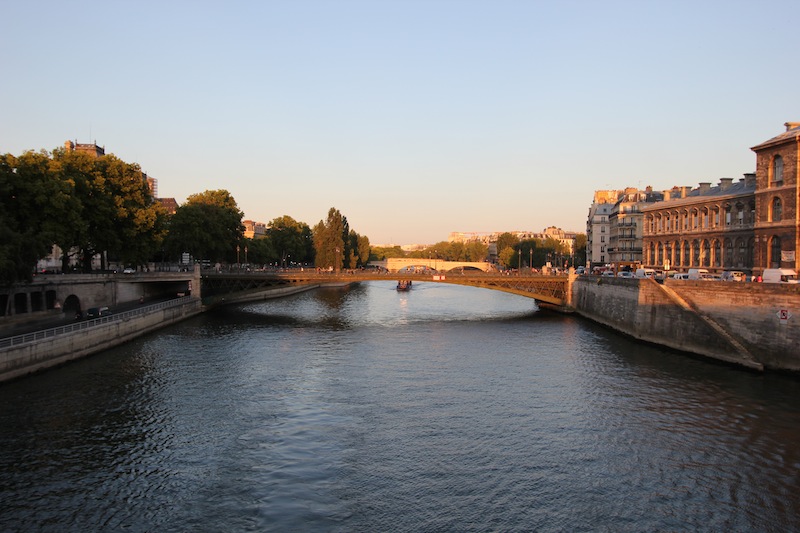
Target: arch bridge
[[551, 291], [396, 264]]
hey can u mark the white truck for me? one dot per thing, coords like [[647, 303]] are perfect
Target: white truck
[[779, 275], [699, 274]]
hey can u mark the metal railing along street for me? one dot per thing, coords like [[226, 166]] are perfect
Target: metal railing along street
[[87, 324]]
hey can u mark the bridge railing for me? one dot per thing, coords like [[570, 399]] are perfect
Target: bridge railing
[[35, 336]]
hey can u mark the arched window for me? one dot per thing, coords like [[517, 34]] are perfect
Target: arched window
[[686, 260], [775, 253], [717, 253], [777, 169], [706, 254], [695, 253], [728, 253], [777, 209], [741, 253]]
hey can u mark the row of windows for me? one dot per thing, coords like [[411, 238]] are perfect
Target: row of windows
[[700, 218], [705, 253], [709, 218]]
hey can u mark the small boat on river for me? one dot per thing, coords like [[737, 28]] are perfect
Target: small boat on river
[[404, 285]]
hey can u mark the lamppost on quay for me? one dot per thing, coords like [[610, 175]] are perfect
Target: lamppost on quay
[[530, 264], [519, 262], [238, 266]]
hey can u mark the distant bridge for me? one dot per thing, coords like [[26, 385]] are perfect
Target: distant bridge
[[396, 264], [554, 291]]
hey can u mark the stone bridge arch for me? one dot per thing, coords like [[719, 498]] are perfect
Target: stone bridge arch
[[396, 264]]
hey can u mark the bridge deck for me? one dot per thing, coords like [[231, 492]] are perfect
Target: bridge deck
[[548, 289]]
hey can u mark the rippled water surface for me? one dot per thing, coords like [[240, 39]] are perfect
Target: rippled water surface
[[442, 409]]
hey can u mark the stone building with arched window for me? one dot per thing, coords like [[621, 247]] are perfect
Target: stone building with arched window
[[777, 228], [707, 227], [749, 225]]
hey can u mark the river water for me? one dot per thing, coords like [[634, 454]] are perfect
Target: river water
[[445, 408]]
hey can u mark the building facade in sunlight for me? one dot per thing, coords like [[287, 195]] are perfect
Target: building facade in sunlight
[[749, 225]]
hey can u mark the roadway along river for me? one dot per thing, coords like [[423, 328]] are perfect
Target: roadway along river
[[444, 408]]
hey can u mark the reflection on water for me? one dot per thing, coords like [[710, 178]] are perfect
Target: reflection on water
[[442, 408]]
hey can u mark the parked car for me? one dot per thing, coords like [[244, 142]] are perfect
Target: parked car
[[733, 275], [129, 270], [625, 274], [97, 312], [779, 275]]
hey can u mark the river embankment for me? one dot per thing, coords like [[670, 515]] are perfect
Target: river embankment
[[755, 325], [32, 352], [46, 348]]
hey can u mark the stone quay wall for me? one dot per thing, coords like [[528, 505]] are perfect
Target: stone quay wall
[[756, 325], [41, 353]]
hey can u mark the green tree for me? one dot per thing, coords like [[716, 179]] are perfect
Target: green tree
[[476, 251], [259, 251], [579, 249], [363, 250], [329, 240], [30, 199], [73, 170], [507, 257], [386, 252], [506, 240], [207, 226], [139, 221], [289, 239]]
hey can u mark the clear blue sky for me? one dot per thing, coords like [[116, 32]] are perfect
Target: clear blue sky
[[413, 118]]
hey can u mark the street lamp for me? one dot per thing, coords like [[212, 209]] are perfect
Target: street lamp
[[519, 262], [245, 255], [530, 264], [238, 267]]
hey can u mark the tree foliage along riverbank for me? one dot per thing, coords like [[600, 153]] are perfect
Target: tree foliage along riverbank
[[91, 206]]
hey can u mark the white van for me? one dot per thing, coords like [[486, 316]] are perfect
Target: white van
[[645, 273], [699, 273], [779, 275]]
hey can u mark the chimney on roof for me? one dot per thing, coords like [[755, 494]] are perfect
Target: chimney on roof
[[666, 195], [792, 125], [750, 179], [704, 186], [69, 146], [724, 183], [684, 191]]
